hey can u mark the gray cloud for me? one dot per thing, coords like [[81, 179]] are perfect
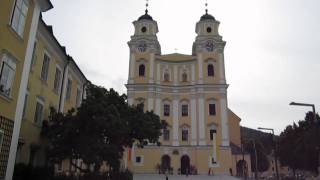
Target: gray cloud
[[272, 53]]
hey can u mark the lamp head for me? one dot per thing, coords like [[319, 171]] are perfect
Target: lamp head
[[293, 103]]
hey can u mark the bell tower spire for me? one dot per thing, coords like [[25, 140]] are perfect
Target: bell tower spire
[[144, 46], [147, 5], [206, 4]]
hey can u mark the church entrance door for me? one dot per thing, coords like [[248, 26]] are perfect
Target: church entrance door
[[165, 163], [185, 164]]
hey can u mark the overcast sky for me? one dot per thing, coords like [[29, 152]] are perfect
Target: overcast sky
[[272, 53]]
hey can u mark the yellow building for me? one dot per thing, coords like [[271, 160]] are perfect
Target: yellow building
[[54, 81], [189, 92], [18, 26], [35, 74]]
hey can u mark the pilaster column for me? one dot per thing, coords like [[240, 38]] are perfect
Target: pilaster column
[[222, 76], [224, 120], [214, 147], [150, 100], [130, 98], [158, 73], [193, 73], [158, 104], [151, 69], [131, 68], [193, 120], [175, 75], [200, 68], [175, 127], [202, 129]]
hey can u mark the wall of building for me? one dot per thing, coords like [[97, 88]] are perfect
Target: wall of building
[[14, 46], [234, 128], [43, 90]]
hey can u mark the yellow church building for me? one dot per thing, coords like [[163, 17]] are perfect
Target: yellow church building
[[189, 92]]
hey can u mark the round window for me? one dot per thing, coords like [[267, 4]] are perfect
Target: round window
[[143, 29], [209, 29]]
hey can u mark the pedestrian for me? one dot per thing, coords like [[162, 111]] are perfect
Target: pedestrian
[[209, 172], [230, 170], [167, 178]]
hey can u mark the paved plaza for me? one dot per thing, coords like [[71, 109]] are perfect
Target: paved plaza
[[181, 177]]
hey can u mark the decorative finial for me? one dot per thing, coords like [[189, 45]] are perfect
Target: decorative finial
[[147, 5], [206, 6]]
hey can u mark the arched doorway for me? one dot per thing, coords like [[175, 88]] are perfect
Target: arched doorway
[[185, 164], [242, 168], [165, 163]]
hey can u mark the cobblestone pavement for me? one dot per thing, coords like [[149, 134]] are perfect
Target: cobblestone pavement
[[180, 177]]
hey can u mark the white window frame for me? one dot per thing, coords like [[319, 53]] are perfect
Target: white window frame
[[47, 68], [1, 138], [144, 70], [164, 112], [41, 102], [182, 103], [141, 160], [185, 128], [19, 26], [11, 63], [212, 101], [57, 89]]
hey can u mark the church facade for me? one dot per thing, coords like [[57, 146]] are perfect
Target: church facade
[[189, 92]]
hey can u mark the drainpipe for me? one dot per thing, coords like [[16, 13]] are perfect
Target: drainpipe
[[62, 83]]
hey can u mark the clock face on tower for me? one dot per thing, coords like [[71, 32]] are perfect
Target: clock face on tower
[[209, 46], [142, 47]]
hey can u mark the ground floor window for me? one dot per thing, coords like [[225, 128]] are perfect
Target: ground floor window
[[7, 73], [139, 160]]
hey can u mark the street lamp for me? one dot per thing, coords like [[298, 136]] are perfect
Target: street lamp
[[275, 149], [304, 104], [314, 118]]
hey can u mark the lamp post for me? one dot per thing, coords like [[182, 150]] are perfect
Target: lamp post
[[304, 104], [275, 149], [314, 118]]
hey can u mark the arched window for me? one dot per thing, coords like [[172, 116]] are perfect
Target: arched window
[[210, 70], [166, 76], [184, 134], [142, 70], [166, 110], [184, 77], [212, 109]]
